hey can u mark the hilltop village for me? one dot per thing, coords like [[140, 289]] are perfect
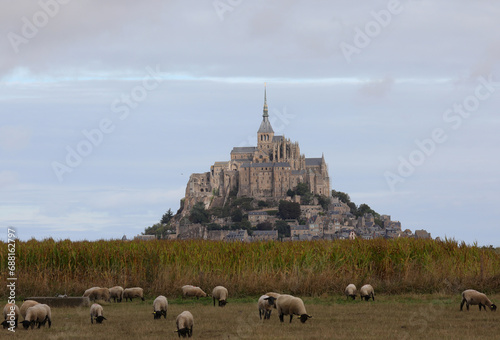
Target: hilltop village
[[268, 192]]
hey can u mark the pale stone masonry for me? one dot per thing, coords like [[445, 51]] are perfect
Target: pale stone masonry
[[265, 171]]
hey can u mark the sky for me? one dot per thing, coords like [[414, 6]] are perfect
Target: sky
[[107, 107]]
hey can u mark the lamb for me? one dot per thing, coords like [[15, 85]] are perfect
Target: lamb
[[96, 313], [37, 314], [189, 290], [136, 292], [366, 292], [160, 306], [116, 293], [184, 322], [220, 293], [11, 315], [290, 305], [350, 290], [473, 297], [266, 304], [27, 304]]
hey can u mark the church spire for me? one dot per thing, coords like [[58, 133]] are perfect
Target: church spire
[[265, 114]]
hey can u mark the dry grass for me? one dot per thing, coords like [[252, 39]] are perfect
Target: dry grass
[[388, 317]]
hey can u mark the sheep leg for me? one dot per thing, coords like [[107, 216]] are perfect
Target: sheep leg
[[91, 320], [260, 314], [214, 301], [291, 317], [462, 304], [281, 317]]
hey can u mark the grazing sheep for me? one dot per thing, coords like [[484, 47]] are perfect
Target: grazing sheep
[[136, 292], [88, 291], [350, 290], [275, 296], [366, 292], [220, 293], [160, 306], [37, 314], [189, 290], [11, 315], [100, 294], [27, 304], [266, 304], [96, 313], [184, 324], [473, 297], [290, 305], [116, 293]]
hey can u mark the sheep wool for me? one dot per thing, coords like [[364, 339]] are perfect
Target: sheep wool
[[350, 291], [131, 293], [473, 297], [189, 290], [366, 292], [37, 315], [266, 304], [291, 305], [160, 306], [96, 313], [184, 323], [116, 293], [220, 293], [27, 304], [11, 315]]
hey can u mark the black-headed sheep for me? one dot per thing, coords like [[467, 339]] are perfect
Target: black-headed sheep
[[184, 323], [266, 304], [350, 291], [220, 293], [96, 313], [37, 315], [160, 306], [27, 304], [473, 297], [274, 295], [116, 293], [291, 305], [98, 293], [131, 293], [10, 314], [366, 292]]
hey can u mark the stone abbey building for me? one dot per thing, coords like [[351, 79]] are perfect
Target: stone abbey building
[[265, 171]]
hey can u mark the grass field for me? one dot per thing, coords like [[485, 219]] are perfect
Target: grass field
[[432, 316]]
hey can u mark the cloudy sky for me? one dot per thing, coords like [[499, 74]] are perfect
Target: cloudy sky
[[107, 107]]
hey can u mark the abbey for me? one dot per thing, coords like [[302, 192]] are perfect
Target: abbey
[[265, 171]]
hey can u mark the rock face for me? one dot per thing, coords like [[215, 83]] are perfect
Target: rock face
[[265, 171]]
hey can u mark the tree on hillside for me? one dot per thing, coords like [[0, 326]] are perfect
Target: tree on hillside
[[199, 214], [289, 210], [265, 226], [302, 189], [341, 196], [283, 229], [165, 219]]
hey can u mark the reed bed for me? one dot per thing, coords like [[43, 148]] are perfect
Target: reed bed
[[314, 268]]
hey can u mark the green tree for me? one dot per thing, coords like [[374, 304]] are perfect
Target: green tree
[[265, 226], [165, 219], [199, 214], [283, 229], [323, 201], [289, 210], [302, 189], [290, 193], [341, 196], [236, 215]]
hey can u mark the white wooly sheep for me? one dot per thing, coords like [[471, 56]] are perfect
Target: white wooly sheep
[[189, 290], [135, 292], [27, 304], [220, 293], [160, 306], [88, 291], [274, 295], [37, 314], [116, 293], [366, 292], [100, 294], [266, 304], [350, 291], [291, 305], [10, 314], [96, 313], [184, 323], [473, 297]]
